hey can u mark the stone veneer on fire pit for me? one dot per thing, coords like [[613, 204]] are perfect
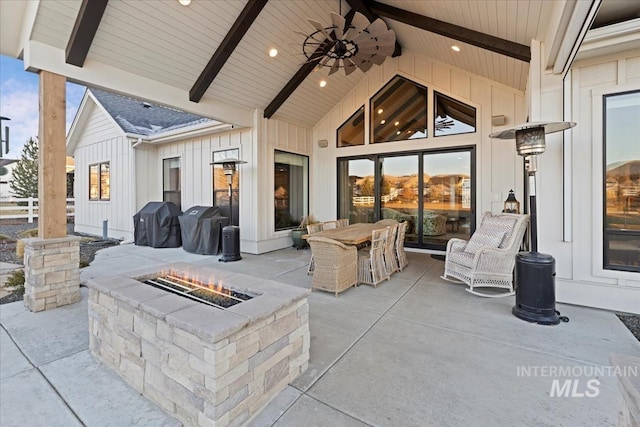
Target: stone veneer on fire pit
[[201, 364]]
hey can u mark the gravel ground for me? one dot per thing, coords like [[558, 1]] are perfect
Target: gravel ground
[[88, 251]]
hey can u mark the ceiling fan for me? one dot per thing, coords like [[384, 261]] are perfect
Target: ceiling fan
[[360, 44]]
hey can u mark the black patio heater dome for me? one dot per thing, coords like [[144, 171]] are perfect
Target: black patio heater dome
[[231, 232], [535, 272]]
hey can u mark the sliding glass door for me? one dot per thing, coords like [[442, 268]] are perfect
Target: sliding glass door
[[433, 191]]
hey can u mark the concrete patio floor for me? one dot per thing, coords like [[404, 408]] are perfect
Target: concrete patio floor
[[415, 351]]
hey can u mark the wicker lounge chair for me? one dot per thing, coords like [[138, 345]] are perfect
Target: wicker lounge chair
[[488, 258], [401, 256], [336, 265], [371, 267]]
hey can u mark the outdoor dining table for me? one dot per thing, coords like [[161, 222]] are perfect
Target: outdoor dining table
[[353, 234]]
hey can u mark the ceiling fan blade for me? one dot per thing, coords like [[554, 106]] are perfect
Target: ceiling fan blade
[[377, 26], [335, 66], [349, 66], [338, 22], [378, 59], [365, 66], [358, 24], [388, 38], [318, 26]]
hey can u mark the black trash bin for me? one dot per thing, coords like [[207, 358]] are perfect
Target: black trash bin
[[157, 225], [535, 288], [201, 229]]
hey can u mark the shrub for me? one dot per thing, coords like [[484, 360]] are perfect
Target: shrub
[[16, 281]]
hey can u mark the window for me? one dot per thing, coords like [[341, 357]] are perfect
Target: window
[[171, 181], [351, 132], [622, 181], [291, 192], [399, 111], [221, 187], [452, 117], [99, 181]]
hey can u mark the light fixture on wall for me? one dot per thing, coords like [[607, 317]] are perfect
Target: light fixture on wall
[[511, 205], [323, 143], [535, 272], [360, 44], [230, 233]]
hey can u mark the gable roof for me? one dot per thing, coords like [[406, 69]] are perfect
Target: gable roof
[[143, 118]]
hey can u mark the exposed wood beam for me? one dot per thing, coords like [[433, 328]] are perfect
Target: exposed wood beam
[[474, 38], [238, 29], [300, 75], [361, 6], [84, 30]]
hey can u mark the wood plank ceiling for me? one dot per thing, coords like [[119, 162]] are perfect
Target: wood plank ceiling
[[172, 44]]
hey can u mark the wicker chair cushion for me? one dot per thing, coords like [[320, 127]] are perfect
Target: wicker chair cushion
[[461, 258], [491, 238], [504, 224]]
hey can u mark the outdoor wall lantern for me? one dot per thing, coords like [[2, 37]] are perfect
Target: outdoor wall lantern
[[230, 233], [511, 205], [534, 271]]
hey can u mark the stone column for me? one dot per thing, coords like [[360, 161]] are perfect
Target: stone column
[[52, 273], [52, 261]]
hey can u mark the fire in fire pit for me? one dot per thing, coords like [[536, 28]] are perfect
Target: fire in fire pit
[[204, 291]]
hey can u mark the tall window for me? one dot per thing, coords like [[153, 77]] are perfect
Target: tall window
[[622, 181], [291, 192], [221, 188], [99, 181], [171, 181], [399, 111]]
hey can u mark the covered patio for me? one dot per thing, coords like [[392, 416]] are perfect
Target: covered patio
[[414, 351]]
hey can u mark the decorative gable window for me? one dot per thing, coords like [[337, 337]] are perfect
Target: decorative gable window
[[399, 111], [452, 117], [351, 132], [99, 181]]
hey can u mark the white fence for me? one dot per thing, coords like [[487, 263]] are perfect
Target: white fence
[[369, 200], [15, 208]]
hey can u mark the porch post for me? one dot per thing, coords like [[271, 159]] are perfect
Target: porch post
[[52, 271]]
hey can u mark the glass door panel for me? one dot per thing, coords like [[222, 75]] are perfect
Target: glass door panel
[[399, 192], [447, 192], [356, 190]]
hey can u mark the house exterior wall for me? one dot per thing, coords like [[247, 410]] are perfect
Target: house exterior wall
[[498, 167], [102, 141], [576, 242]]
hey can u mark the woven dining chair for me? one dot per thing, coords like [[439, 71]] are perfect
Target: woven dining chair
[[329, 225], [401, 256], [343, 222], [336, 265], [371, 267], [390, 260], [313, 228]]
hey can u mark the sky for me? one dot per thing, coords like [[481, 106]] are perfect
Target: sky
[[19, 102]]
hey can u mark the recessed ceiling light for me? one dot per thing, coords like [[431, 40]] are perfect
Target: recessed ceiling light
[[408, 131], [383, 122], [184, 2], [380, 111], [397, 123], [323, 83], [273, 52], [455, 48], [398, 133]]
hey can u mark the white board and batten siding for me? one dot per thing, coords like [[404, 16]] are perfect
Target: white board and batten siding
[[498, 167], [102, 141]]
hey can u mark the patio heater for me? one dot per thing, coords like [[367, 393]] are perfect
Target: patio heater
[[231, 232], [535, 272]]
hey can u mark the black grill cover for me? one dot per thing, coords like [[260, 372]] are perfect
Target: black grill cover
[[201, 229], [157, 225]]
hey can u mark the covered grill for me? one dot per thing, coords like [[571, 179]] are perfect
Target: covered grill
[[157, 225], [201, 227]]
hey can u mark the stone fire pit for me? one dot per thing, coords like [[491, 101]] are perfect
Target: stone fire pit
[[203, 365]]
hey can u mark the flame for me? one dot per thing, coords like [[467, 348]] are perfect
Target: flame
[[196, 281]]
